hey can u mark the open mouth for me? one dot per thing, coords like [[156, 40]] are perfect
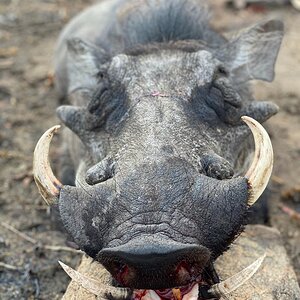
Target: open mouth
[[198, 290], [193, 291]]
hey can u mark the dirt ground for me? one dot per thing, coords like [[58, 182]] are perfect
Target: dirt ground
[[28, 31]]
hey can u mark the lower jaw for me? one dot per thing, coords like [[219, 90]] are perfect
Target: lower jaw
[[189, 292]]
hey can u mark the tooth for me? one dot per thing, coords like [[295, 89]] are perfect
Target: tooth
[[229, 285], [149, 295], [93, 286], [48, 185], [260, 170], [193, 294]]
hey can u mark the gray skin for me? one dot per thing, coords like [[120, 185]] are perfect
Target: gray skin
[[156, 140]]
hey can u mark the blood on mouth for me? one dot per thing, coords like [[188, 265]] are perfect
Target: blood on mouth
[[123, 274], [186, 292]]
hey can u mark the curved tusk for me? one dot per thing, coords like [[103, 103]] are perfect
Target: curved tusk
[[96, 287], [229, 285], [261, 168], [296, 4], [48, 185]]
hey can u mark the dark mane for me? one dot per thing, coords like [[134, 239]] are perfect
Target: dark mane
[[146, 22], [184, 45]]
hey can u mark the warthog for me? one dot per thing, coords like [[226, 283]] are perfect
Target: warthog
[[163, 174]]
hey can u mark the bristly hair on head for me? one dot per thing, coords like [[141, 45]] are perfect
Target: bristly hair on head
[[161, 21]]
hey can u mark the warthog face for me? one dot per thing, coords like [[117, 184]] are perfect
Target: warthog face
[[161, 186]]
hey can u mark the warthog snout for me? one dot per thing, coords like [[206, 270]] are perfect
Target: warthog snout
[[156, 266]]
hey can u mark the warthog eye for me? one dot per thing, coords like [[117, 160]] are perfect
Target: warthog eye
[[220, 71], [224, 99], [98, 98]]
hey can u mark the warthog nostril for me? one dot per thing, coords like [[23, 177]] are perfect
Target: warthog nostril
[[185, 272], [123, 274]]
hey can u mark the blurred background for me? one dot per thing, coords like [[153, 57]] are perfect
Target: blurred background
[[29, 244]]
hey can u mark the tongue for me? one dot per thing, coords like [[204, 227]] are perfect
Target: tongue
[[172, 294]]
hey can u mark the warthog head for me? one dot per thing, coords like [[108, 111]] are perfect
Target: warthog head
[[164, 179]]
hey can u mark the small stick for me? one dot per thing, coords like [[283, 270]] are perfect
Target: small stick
[[61, 248], [6, 64], [290, 212], [7, 52], [10, 154], [36, 243], [278, 180], [19, 233], [8, 267]]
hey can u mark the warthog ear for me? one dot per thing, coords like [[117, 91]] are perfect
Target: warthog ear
[[84, 62], [252, 53]]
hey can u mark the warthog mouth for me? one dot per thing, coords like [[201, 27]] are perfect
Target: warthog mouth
[[201, 289], [196, 290]]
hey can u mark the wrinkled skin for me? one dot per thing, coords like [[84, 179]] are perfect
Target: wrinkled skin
[[158, 194]]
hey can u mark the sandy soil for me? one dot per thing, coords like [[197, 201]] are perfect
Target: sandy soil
[[28, 30]]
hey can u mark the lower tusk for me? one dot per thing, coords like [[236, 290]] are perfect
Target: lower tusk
[[48, 185], [95, 287], [261, 168], [229, 285]]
